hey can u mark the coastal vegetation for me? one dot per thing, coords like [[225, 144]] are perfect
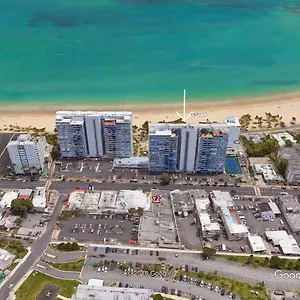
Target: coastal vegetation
[[273, 262], [34, 284]]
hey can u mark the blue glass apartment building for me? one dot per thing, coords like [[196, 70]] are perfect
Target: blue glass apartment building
[[187, 148], [94, 134]]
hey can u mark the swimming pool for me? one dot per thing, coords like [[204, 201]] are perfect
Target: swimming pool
[[232, 165]]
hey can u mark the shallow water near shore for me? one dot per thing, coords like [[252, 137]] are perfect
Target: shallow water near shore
[[147, 51]]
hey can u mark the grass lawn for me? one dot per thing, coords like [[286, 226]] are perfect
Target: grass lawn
[[262, 262], [74, 266], [12, 266], [239, 288], [17, 252], [33, 285]]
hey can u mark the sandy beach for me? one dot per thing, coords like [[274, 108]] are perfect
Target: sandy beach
[[285, 105]]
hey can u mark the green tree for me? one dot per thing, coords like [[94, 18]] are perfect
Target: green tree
[[20, 207], [288, 143], [165, 179], [208, 252], [282, 166], [158, 297], [275, 262]]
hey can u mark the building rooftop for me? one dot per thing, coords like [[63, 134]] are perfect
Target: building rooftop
[[7, 199], [290, 208], [182, 201], [158, 224], [25, 194], [221, 198], [90, 202], [282, 137], [289, 246], [268, 172], [39, 197], [87, 292], [264, 206], [276, 236], [108, 200], [256, 243], [131, 162], [132, 199], [6, 259], [75, 199]]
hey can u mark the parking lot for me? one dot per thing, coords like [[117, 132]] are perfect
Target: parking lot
[[188, 232], [96, 228]]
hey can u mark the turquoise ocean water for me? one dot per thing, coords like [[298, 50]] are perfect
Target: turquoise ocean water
[[100, 51]]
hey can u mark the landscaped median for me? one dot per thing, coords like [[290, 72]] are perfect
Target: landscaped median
[[36, 281], [244, 290], [74, 266], [273, 262], [67, 247]]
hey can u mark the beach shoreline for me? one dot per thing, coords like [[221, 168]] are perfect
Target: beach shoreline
[[286, 105]]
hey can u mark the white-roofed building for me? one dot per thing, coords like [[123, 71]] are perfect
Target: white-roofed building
[[88, 292], [39, 200], [90, 202], [282, 137], [108, 201], [276, 236], [75, 199], [268, 173], [256, 243], [6, 259], [223, 204], [207, 227], [95, 282], [7, 199], [275, 208], [132, 199]]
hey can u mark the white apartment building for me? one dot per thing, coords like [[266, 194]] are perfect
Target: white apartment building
[[224, 205], [94, 134], [27, 154]]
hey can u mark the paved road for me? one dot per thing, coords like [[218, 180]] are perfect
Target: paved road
[[37, 248], [149, 282], [271, 130], [57, 273], [63, 256]]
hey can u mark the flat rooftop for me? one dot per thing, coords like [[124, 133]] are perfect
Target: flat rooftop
[[87, 292], [75, 199], [182, 201], [90, 202], [6, 259], [132, 199], [108, 200], [157, 224]]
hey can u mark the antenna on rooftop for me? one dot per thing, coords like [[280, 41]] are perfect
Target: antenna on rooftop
[[184, 117]]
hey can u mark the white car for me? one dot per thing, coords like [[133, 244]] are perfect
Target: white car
[[105, 269]]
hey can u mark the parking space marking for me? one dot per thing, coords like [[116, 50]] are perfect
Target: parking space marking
[[97, 168]]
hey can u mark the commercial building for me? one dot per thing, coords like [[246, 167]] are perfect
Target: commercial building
[[268, 173], [286, 243], [158, 226], [134, 162], [7, 199], [292, 173], [182, 202], [27, 154], [88, 134], [290, 209], [234, 130], [223, 204], [25, 194], [208, 228], [39, 200], [256, 244], [97, 292], [187, 148]]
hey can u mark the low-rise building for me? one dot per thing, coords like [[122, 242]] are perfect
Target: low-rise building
[[157, 225], [127, 199], [290, 209], [182, 202], [75, 199], [268, 173], [108, 201], [97, 292], [7, 199], [292, 173], [256, 244], [208, 228], [224, 205], [134, 162], [39, 200], [25, 194], [90, 202], [282, 137]]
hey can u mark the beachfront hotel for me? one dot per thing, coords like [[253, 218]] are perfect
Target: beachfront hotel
[[199, 148], [88, 134], [27, 154]]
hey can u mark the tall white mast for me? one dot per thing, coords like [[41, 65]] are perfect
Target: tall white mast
[[184, 117]]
